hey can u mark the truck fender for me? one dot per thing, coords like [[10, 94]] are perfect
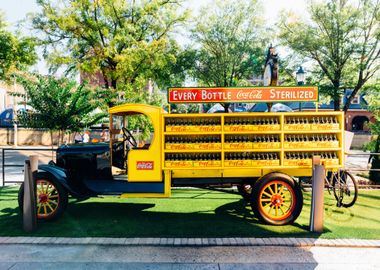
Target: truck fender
[[59, 174]]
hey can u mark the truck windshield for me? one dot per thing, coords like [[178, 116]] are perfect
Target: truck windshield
[[137, 125]]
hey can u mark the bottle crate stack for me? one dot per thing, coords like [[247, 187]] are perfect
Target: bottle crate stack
[[270, 140]]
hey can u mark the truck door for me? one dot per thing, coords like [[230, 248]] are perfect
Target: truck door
[[143, 151]]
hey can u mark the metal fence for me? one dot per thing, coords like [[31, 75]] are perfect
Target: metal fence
[[17, 162], [51, 156]]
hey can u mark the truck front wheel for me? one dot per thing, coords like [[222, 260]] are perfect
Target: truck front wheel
[[51, 197], [276, 199]]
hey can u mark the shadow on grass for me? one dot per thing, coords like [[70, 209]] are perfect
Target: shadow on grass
[[110, 219]]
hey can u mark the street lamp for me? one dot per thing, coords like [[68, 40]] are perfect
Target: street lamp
[[300, 76]]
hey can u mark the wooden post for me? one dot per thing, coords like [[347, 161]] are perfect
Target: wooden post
[[29, 200], [317, 196]]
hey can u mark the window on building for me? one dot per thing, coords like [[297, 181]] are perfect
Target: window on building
[[356, 100]]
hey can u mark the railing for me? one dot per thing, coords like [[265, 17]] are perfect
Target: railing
[[4, 165]]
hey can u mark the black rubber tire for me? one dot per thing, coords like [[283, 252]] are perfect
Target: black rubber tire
[[62, 192], [347, 193], [296, 203]]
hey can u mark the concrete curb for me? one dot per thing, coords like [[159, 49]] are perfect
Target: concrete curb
[[189, 242]]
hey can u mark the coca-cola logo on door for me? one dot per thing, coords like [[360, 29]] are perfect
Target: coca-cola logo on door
[[144, 165]]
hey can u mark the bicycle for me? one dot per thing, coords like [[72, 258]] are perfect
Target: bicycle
[[344, 187]]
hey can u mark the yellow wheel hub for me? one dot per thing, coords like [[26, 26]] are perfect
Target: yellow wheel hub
[[277, 200]]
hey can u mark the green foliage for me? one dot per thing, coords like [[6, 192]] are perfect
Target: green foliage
[[230, 40], [342, 38], [373, 99], [16, 53], [128, 42], [58, 105]]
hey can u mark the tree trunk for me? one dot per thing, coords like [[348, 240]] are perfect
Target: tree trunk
[[336, 97], [351, 97], [336, 104], [226, 106], [52, 144]]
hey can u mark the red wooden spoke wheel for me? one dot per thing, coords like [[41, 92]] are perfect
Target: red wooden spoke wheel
[[276, 199], [51, 197]]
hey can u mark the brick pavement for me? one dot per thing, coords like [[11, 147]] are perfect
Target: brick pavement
[[230, 241]]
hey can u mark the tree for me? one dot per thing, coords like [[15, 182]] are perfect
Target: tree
[[127, 41], [58, 105], [229, 44], [373, 99], [342, 39], [16, 53]]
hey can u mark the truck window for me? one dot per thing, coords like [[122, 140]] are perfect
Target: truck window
[[140, 127]]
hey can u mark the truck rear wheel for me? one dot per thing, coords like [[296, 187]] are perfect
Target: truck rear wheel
[[51, 197], [277, 199]]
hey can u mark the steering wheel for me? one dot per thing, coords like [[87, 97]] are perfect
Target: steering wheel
[[127, 136]]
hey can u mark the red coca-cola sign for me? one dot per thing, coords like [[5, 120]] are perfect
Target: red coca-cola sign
[[144, 165], [242, 94]]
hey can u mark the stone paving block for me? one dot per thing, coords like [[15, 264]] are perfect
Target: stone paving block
[[170, 241], [303, 242], [8, 240], [260, 241], [321, 242], [117, 241], [86, 240], [296, 241], [92, 241], [212, 241], [288, 242], [245, 241], [45, 240], [363, 242], [219, 241], [239, 241], [156, 241], [267, 242], [276, 242], [190, 241], [205, 242], [376, 243], [233, 241], [149, 240], [26, 240], [163, 241], [142, 242], [198, 241], [177, 241], [128, 241], [309, 241], [346, 242], [184, 241], [2, 239], [226, 242], [135, 241], [36, 240], [66, 240], [293, 241]]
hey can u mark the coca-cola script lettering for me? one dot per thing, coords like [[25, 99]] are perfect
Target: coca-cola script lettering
[[144, 165]]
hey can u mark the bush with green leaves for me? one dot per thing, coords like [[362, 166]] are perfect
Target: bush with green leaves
[[59, 105]]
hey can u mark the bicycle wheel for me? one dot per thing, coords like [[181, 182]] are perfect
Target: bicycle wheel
[[345, 188]]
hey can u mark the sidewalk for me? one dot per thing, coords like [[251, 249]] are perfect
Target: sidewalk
[[189, 242]]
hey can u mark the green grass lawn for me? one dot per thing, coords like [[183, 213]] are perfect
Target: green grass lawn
[[191, 213]]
